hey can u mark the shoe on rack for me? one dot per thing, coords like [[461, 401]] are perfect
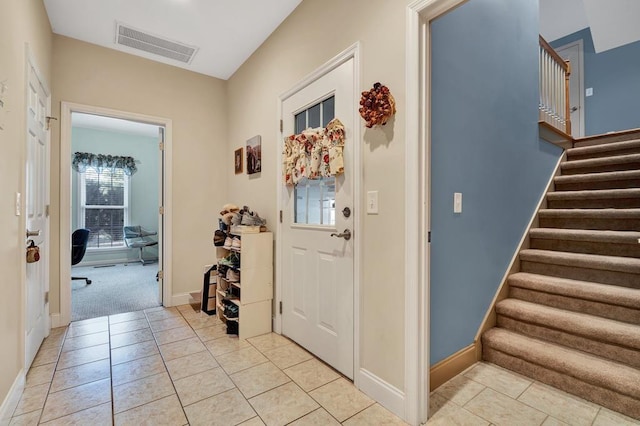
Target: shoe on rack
[[236, 243], [228, 242]]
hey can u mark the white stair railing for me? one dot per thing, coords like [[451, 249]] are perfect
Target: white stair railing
[[554, 89]]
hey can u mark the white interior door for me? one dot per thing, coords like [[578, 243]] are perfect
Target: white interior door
[[161, 131], [37, 221], [317, 268], [573, 53]]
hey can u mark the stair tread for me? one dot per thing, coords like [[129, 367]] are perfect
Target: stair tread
[[577, 289], [606, 147], [598, 177], [587, 261], [594, 194], [585, 325], [591, 162], [592, 235], [609, 213], [585, 367]]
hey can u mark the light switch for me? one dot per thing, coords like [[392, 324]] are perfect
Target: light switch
[[372, 202], [589, 91], [18, 203], [457, 202]]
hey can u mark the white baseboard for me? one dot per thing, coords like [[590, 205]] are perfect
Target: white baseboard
[[56, 321], [181, 299], [382, 392], [11, 401], [107, 262]]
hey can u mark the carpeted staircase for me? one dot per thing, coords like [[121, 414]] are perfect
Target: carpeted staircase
[[572, 318]]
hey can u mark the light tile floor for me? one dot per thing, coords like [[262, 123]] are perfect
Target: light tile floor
[[486, 394], [176, 366]]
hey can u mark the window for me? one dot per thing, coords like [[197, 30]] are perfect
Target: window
[[104, 206], [315, 200]]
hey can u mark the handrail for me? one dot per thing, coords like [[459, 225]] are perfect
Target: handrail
[[554, 107]]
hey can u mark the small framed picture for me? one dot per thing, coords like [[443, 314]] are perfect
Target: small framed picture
[[254, 155], [237, 158]]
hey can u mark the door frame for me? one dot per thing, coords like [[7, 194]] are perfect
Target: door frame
[[352, 52], [66, 109], [419, 15], [580, 66]]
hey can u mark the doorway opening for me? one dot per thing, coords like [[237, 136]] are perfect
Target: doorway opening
[[115, 182], [114, 220]]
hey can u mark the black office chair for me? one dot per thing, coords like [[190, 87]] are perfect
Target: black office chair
[[79, 240], [138, 237]]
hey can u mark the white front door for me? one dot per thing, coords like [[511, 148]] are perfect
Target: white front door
[[317, 268], [573, 53], [37, 220]]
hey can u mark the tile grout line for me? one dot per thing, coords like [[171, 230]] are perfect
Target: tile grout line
[[44, 404]]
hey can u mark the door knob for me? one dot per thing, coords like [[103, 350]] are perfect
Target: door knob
[[33, 233], [346, 234], [574, 109]]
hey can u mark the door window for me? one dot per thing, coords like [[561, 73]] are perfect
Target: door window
[[315, 200]]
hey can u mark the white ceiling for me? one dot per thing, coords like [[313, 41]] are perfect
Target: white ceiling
[[98, 122], [226, 32], [613, 23]]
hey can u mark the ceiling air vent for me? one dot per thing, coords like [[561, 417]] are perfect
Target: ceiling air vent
[[140, 40]]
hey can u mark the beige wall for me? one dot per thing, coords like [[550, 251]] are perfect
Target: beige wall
[[21, 22], [313, 34], [196, 104]]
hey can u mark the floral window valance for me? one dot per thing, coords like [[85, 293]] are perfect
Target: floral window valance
[[314, 153], [83, 160]]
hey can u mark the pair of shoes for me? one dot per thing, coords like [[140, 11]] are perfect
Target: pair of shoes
[[233, 276], [219, 238], [236, 243], [228, 242], [232, 261], [252, 219]]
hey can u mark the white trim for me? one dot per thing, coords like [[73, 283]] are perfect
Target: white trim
[[13, 397], [66, 109], [56, 320], [108, 262], [385, 394], [580, 44], [183, 298], [352, 51], [417, 207]]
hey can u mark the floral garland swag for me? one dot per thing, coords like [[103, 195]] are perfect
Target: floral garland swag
[[314, 153], [82, 160]]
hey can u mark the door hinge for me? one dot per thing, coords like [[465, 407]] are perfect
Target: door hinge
[[161, 146], [160, 275], [161, 209], [280, 216], [46, 210], [46, 297], [281, 126], [281, 307], [429, 237]]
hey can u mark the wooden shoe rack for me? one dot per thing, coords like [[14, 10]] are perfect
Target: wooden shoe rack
[[252, 286]]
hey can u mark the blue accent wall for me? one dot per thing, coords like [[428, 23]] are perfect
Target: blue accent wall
[[614, 76], [484, 143]]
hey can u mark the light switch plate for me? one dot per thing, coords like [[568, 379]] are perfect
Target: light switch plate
[[589, 91], [372, 202], [18, 203], [457, 202]]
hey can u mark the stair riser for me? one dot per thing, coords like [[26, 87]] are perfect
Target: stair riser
[[632, 224], [607, 138], [560, 337], [587, 247], [622, 279], [614, 312], [605, 397], [633, 150], [612, 167], [595, 203], [607, 184]]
